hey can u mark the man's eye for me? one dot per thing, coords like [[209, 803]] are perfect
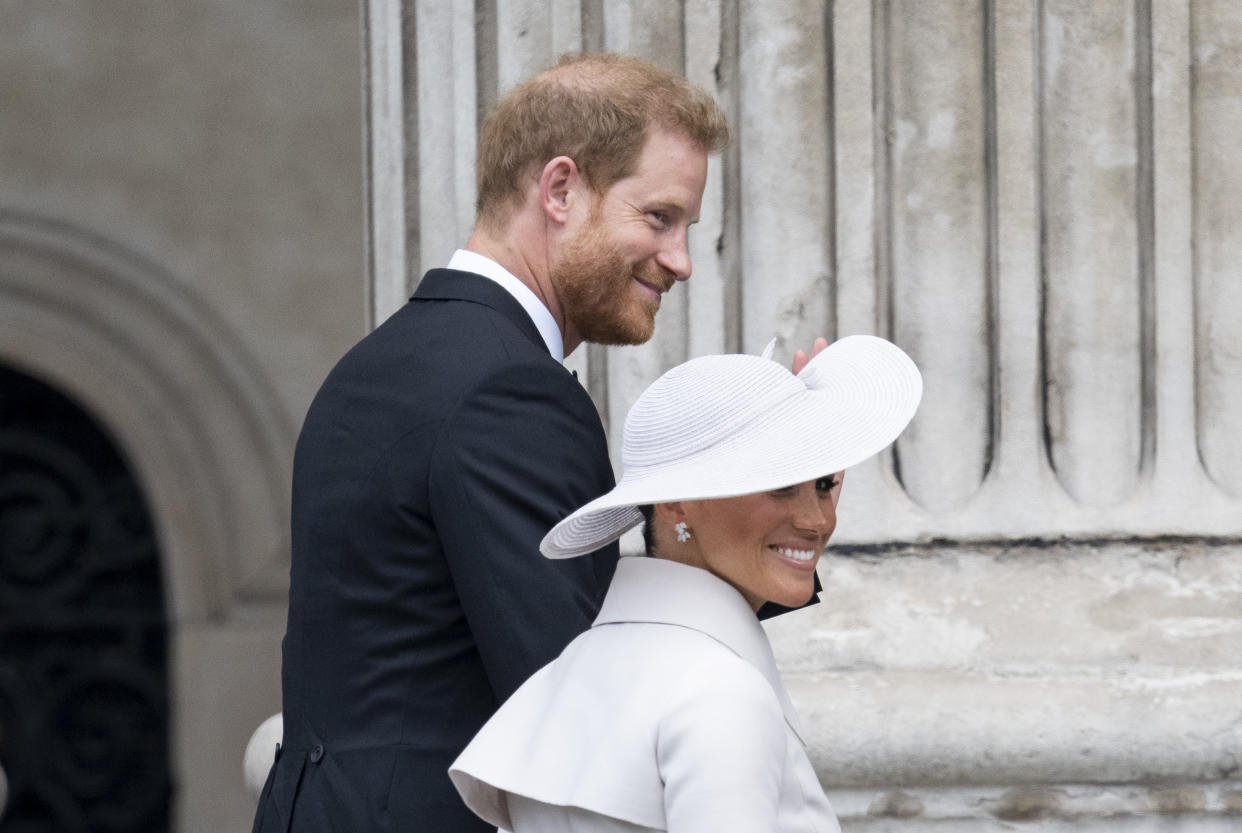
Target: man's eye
[[660, 218]]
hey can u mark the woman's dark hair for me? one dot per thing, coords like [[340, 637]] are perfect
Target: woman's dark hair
[[648, 511]]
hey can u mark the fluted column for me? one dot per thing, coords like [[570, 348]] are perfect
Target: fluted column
[[391, 147], [1216, 124], [937, 234], [1096, 199], [1039, 200], [784, 184]]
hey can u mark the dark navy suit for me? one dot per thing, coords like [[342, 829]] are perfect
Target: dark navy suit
[[435, 457]]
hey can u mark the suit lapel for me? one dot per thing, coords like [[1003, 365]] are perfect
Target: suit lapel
[[453, 285]]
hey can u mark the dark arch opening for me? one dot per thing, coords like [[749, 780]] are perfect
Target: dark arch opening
[[83, 627]]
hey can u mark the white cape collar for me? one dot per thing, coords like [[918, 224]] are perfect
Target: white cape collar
[[659, 591]]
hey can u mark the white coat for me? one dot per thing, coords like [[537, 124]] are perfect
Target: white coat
[[667, 715]]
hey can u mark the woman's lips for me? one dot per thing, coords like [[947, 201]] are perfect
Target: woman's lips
[[801, 555]]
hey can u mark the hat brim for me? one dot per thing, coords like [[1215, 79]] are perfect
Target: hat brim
[[861, 392]]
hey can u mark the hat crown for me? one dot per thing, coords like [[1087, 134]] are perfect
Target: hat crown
[[697, 405], [722, 426]]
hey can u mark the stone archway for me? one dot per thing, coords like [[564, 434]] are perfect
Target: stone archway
[[171, 382], [210, 445], [83, 639]]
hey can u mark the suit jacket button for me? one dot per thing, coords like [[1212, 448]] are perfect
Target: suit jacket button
[[317, 753]]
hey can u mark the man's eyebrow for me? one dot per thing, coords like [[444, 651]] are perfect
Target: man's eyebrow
[[669, 204]]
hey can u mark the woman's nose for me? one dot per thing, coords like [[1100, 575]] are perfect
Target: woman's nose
[[814, 513]]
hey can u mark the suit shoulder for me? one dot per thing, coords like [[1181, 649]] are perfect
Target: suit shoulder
[[429, 354], [449, 327]]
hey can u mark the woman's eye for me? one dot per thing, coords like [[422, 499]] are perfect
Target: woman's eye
[[825, 484]]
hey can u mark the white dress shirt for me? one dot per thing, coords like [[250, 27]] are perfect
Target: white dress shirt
[[667, 715], [465, 260]]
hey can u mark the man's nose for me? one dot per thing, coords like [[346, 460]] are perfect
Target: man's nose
[[675, 257]]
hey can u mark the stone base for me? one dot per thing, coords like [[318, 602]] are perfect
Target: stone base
[[1190, 808], [1055, 686]]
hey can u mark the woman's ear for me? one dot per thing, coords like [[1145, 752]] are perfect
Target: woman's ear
[[558, 184], [670, 512], [674, 532]]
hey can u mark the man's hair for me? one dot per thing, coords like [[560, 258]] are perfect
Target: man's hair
[[597, 109]]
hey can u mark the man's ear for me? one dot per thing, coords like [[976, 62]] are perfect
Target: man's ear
[[559, 183]]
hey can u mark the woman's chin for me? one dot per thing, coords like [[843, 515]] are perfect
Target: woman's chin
[[795, 596]]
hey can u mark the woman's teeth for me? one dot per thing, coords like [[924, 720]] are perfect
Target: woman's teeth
[[797, 555]]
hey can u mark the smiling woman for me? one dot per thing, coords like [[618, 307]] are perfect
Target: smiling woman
[[765, 545], [669, 713]]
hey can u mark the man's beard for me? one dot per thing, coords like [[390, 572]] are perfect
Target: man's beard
[[595, 287]]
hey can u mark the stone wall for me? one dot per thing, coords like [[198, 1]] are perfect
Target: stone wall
[[181, 252], [1033, 614]]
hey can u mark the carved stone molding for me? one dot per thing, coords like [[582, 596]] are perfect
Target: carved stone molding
[[1032, 198], [176, 390], [1030, 616]]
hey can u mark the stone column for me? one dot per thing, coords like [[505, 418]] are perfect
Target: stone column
[[1032, 611]]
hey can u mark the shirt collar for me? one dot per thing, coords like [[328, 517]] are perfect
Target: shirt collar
[[657, 590], [467, 261]]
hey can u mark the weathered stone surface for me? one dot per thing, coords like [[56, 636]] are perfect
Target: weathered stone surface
[[1216, 118], [225, 680], [1059, 808], [181, 249], [1093, 246], [1039, 200], [1008, 194], [1110, 663], [783, 199], [937, 239], [219, 139]]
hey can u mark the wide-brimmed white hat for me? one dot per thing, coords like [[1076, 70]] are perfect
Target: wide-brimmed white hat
[[723, 426]]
